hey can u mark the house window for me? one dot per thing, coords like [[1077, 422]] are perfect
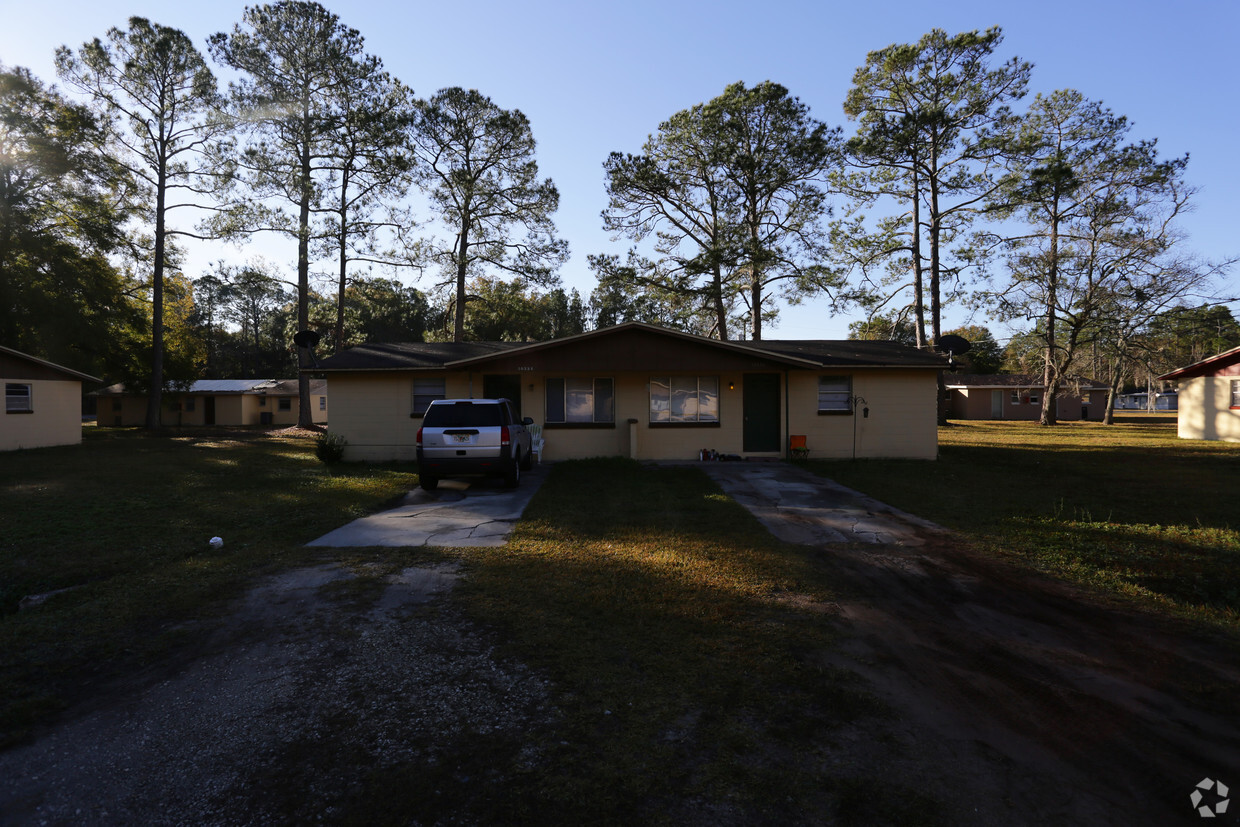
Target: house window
[[189, 404], [1034, 398], [581, 401], [284, 403], [1015, 397], [684, 399], [262, 402], [426, 391], [17, 399], [1235, 393], [116, 405], [322, 403], [834, 394]]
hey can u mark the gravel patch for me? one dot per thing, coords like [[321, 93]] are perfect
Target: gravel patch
[[319, 682]]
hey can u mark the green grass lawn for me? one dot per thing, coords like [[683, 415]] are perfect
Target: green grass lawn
[[683, 642], [1129, 508], [682, 639]]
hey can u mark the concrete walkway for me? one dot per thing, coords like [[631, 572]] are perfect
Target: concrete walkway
[[460, 513], [804, 508]]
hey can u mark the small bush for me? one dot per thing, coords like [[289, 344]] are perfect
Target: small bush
[[329, 448]]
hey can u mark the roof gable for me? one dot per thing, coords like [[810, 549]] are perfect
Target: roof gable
[[17, 365], [1224, 364], [630, 346]]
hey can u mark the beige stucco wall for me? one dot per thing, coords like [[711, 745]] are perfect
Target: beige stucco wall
[[903, 420], [1205, 409], [372, 412], [56, 418]]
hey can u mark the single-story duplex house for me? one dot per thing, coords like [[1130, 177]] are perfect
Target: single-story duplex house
[[650, 393], [1019, 396], [1209, 405], [42, 402], [216, 402]]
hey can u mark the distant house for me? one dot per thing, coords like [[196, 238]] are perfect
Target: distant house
[[1209, 406], [1019, 396], [1139, 401], [647, 392], [42, 402], [216, 402]]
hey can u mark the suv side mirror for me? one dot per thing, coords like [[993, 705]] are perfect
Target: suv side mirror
[[527, 421]]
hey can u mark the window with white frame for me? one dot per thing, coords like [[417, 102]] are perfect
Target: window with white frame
[[322, 403], [425, 391], [1235, 393], [17, 399], [1015, 397], [580, 400], [284, 403], [684, 399], [1034, 397], [834, 394]]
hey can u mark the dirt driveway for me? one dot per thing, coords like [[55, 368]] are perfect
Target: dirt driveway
[[1024, 703], [1014, 702]]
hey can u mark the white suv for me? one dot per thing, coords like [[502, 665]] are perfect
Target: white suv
[[472, 437]]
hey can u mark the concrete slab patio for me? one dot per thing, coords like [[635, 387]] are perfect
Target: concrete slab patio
[[804, 508], [460, 513]]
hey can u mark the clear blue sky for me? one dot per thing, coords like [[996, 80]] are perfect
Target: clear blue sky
[[596, 77]]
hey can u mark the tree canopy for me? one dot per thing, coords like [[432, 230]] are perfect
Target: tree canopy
[[477, 163], [733, 192]]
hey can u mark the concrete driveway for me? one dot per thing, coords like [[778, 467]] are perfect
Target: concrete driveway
[[460, 513], [799, 507]]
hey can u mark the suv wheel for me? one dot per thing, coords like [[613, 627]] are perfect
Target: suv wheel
[[513, 478], [428, 483]]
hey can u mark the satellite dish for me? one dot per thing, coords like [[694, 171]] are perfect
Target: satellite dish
[[952, 344], [306, 338]]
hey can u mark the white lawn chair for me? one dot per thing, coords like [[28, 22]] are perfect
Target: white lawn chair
[[536, 440]]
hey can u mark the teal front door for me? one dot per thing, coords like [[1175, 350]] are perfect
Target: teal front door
[[761, 402]]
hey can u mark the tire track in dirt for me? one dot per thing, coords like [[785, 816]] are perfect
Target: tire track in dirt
[[1022, 699]]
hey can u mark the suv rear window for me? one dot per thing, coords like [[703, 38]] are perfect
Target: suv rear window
[[463, 414]]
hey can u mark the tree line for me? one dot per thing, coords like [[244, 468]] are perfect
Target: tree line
[[945, 194]]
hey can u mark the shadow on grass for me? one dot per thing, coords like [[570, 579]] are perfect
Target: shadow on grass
[[684, 638]]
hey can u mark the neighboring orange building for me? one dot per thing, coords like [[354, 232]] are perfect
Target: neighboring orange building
[[216, 402], [42, 402], [1019, 396]]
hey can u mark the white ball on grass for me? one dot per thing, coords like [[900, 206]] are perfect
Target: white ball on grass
[[217, 542]]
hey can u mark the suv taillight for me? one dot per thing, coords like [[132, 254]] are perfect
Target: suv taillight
[[504, 438], [419, 437]]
